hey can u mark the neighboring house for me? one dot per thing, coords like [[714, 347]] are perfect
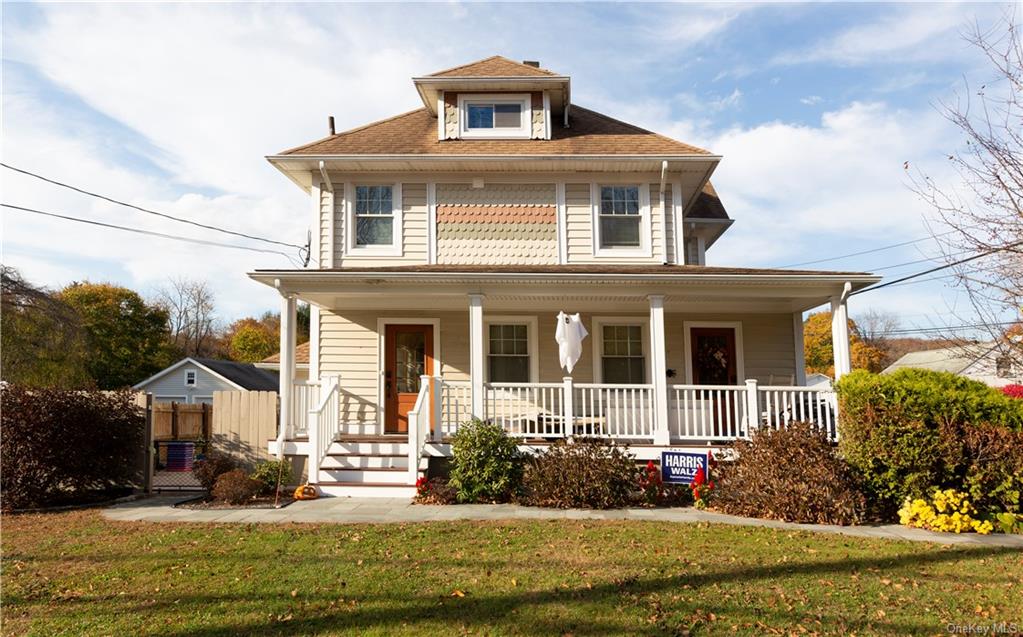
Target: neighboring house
[[273, 363], [447, 239], [818, 380], [979, 361], [193, 380]]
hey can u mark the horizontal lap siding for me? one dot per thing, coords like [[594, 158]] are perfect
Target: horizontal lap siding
[[580, 233], [414, 229], [768, 346], [326, 221]]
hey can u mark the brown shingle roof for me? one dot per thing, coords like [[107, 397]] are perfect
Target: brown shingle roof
[[579, 269], [707, 205], [495, 66], [301, 355], [415, 133]]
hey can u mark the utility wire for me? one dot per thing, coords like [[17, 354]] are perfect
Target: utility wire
[[148, 232], [148, 211], [940, 267], [951, 327], [872, 251]]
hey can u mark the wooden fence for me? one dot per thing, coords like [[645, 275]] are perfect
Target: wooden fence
[[180, 421], [243, 424]]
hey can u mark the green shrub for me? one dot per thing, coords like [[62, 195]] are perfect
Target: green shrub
[[271, 473], [212, 466], [909, 432], [236, 487], [994, 468], [584, 473], [485, 463], [790, 474]]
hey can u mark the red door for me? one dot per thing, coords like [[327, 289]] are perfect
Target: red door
[[408, 354], [714, 363]]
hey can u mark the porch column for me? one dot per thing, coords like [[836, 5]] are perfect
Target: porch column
[[476, 353], [287, 374], [840, 333], [659, 370]]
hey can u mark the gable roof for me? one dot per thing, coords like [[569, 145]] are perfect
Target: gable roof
[[493, 66], [707, 205], [240, 375], [945, 359], [301, 355], [415, 133]]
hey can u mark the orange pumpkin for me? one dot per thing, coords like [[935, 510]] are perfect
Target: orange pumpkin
[[306, 492]]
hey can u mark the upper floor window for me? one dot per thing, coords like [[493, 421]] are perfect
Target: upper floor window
[[495, 116], [621, 220], [373, 219], [190, 378]]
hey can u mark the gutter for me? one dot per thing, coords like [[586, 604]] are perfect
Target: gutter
[[453, 157]]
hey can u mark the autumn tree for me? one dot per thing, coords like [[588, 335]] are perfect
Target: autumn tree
[[42, 342], [191, 316], [127, 338], [819, 351], [252, 340]]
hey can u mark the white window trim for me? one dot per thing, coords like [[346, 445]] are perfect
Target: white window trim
[[525, 130], [195, 378], [532, 343], [645, 229], [598, 324], [393, 250], [382, 323], [198, 399], [740, 362]]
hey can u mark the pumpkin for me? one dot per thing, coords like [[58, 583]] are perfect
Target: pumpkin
[[306, 492]]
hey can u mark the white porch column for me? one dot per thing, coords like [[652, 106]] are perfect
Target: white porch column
[[840, 333], [287, 374], [476, 353], [797, 343], [659, 370]]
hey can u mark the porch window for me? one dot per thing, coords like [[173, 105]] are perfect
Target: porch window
[[374, 216], [508, 354], [622, 359], [619, 217]]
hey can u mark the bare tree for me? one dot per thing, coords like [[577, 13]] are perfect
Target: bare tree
[[983, 215], [192, 312], [877, 327]]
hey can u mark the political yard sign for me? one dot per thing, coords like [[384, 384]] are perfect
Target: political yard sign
[[680, 467]]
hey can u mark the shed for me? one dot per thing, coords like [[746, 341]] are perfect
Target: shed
[[193, 380]]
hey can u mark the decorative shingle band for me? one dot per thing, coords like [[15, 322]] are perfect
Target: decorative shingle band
[[497, 214]]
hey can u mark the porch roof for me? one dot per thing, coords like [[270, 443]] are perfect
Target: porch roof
[[605, 287]]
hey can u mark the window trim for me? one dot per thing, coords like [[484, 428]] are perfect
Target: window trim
[[352, 249], [524, 131], [532, 343], [195, 378], [599, 322], [645, 248], [687, 348]]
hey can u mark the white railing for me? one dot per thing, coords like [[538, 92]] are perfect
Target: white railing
[[613, 411], [455, 407], [708, 412], [527, 410], [305, 394], [780, 406], [419, 418], [323, 426]]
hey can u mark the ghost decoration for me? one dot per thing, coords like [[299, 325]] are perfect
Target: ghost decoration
[[569, 335]]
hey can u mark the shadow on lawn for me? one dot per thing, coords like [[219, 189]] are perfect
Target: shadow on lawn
[[487, 609]]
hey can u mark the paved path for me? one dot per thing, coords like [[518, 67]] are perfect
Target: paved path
[[381, 510]]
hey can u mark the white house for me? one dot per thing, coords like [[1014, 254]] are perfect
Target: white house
[[193, 380], [447, 239], [985, 362]]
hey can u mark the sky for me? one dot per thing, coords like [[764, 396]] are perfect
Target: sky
[[816, 109]]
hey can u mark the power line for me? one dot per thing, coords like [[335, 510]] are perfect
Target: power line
[[148, 232], [967, 326], [939, 268], [872, 251], [148, 211]]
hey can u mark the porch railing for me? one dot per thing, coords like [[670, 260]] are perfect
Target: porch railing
[[305, 395], [613, 411], [419, 418], [323, 426], [780, 406]]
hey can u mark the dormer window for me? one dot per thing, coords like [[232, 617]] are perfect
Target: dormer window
[[495, 116]]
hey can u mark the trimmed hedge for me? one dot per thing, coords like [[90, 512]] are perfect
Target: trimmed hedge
[[65, 446], [911, 431]]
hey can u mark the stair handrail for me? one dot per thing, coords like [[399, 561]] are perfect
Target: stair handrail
[[323, 423], [418, 425]]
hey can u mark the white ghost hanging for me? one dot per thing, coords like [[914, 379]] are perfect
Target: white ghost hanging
[[569, 335]]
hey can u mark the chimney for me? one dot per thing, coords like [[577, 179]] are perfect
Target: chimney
[[330, 124], [533, 63]]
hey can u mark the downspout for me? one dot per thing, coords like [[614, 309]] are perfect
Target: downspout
[[664, 215]]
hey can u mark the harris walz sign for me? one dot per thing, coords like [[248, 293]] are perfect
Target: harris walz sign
[[680, 467]]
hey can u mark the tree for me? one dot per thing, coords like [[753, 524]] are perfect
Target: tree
[[252, 341], [126, 337], [819, 351], [983, 214], [877, 328], [42, 342], [191, 316]]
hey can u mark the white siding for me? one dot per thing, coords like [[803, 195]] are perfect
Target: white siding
[[414, 237], [579, 227]]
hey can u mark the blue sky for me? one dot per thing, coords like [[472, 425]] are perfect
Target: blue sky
[[815, 108]]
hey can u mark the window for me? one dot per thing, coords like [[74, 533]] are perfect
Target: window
[[622, 359], [374, 216], [495, 116], [1003, 366], [620, 217], [508, 354], [190, 378]]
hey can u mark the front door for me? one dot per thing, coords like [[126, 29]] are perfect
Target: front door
[[714, 363], [408, 354]]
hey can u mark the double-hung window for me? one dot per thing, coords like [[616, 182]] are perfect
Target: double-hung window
[[622, 359], [495, 116], [508, 359], [374, 216], [190, 378], [620, 219]]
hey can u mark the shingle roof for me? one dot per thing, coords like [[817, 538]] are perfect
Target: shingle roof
[[580, 269], [707, 205], [495, 66], [415, 133], [246, 375], [945, 359], [301, 355]]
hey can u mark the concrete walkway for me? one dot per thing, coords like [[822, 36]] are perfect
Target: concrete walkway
[[381, 510]]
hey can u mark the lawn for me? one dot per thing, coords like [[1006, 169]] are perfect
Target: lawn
[[79, 574]]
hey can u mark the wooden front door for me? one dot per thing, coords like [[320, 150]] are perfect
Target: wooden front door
[[408, 354], [714, 363]]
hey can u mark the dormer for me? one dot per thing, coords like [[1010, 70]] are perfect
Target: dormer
[[495, 98]]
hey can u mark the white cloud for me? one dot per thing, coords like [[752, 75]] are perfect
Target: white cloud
[[811, 100]]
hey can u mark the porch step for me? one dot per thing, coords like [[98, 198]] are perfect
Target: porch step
[[366, 461], [365, 476], [369, 447], [337, 489]]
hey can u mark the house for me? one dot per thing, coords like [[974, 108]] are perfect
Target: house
[[193, 380], [985, 362], [446, 241], [273, 362]]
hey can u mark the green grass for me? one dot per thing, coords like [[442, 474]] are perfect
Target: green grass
[[77, 573]]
